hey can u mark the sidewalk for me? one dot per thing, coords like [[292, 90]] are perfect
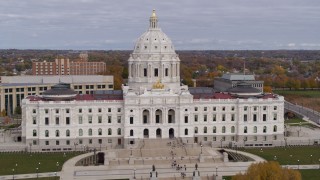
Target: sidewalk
[[26, 176]]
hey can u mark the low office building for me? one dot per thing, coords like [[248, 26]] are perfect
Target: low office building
[[15, 88]]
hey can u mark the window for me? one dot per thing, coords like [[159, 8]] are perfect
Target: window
[[109, 131], [264, 117], [80, 132], [275, 137], [46, 121], [223, 108], [109, 140], [195, 108], [119, 119], [47, 143], [34, 133], [264, 129], [80, 141], [196, 130], [264, 108], [195, 118], [214, 129], [99, 119], [57, 120], [80, 110], [46, 111], [100, 141], [232, 117], [214, 108], [255, 108], [119, 109], [274, 128], [255, 129], [99, 110], [34, 120], [156, 72], [99, 131], [34, 142], [166, 72], [205, 138], [223, 129], [131, 132], [119, 131], [90, 141], [275, 108], [245, 108], [233, 129], [90, 119], [57, 133], [67, 120], [46, 133], [254, 117], [57, 111], [90, 132], [275, 116], [145, 74], [109, 119], [67, 132], [214, 117], [57, 143], [232, 108], [205, 129], [109, 109], [34, 111], [214, 138], [255, 138], [67, 142], [204, 108], [89, 110], [245, 117], [245, 130], [185, 119], [223, 117], [80, 119], [205, 118], [185, 131], [131, 120], [67, 110]]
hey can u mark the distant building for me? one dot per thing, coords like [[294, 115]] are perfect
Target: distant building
[[64, 66], [15, 88], [229, 81]]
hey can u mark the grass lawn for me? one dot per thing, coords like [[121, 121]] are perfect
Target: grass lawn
[[27, 163], [289, 155], [310, 174], [294, 120]]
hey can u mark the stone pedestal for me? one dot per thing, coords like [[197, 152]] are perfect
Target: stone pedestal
[[153, 175], [196, 175], [225, 157], [201, 158]]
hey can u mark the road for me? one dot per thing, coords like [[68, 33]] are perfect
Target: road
[[311, 114]]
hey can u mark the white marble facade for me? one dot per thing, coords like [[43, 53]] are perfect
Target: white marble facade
[[154, 105]]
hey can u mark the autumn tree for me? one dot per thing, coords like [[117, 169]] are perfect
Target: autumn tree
[[268, 170]]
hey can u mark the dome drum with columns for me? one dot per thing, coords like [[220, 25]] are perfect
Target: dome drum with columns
[[153, 60]]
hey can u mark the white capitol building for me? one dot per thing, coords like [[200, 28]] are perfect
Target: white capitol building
[[153, 105]]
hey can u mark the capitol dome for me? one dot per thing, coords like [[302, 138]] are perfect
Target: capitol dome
[[154, 40]]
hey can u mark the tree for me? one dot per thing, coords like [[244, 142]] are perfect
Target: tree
[[268, 170], [17, 110]]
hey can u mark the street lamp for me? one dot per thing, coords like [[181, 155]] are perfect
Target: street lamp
[[275, 158], [311, 158], [216, 171], [57, 164], [298, 163], [16, 167], [75, 146], [13, 174], [201, 148], [37, 170], [134, 173]]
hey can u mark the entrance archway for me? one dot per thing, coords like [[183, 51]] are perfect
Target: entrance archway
[[146, 133], [171, 133], [159, 133]]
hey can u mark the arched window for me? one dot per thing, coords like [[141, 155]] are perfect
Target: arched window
[[67, 132], [255, 129], [274, 128], [57, 133], [205, 129], [131, 132], [245, 130], [47, 133], [214, 130], [232, 129], [34, 133], [119, 131], [109, 131], [223, 129], [90, 132], [99, 131], [80, 132], [186, 131], [196, 130], [264, 129]]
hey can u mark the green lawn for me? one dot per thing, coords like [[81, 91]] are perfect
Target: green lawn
[[295, 120], [27, 163], [310, 174], [289, 155], [302, 93]]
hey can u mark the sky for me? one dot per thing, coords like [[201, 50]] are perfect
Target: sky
[[191, 24]]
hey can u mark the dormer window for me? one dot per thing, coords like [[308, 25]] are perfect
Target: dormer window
[[145, 47]]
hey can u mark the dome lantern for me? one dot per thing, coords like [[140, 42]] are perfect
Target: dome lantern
[[153, 20]]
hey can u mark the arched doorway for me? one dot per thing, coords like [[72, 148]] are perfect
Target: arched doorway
[[158, 133], [158, 116], [171, 115], [171, 133], [146, 133]]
